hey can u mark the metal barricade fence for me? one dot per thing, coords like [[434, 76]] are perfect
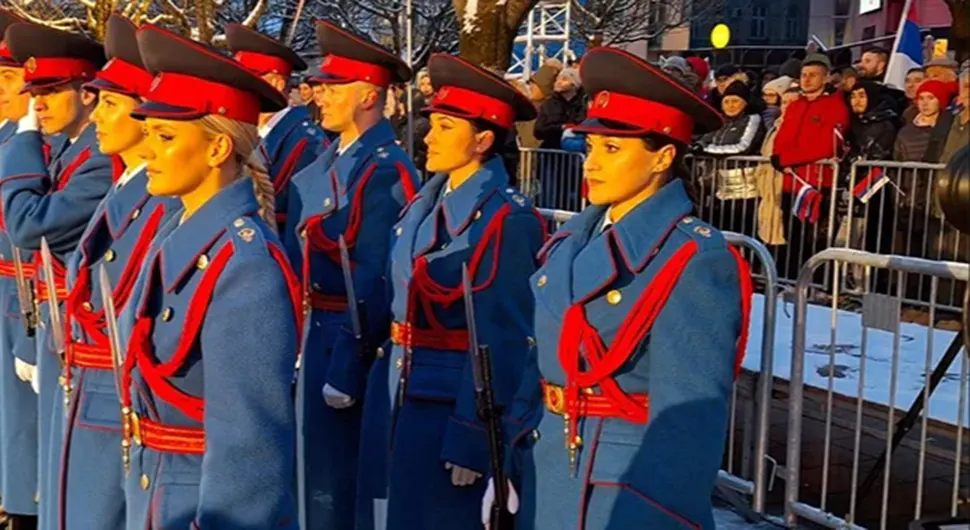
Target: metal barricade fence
[[754, 426], [892, 209], [853, 459], [727, 194], [552, 178]]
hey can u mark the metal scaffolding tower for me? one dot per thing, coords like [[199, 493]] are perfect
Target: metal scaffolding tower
[[545, 34]]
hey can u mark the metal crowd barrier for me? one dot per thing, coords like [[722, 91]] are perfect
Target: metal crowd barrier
[[902, 218], [754, 429], [855, 459], [552, 178], [728, 197]]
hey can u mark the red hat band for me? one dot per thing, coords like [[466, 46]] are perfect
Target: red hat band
[[204, 97], [262, 64], [346, 70], [475, 105], [129, 77], [5, 56], [649, 116], [37, 68]]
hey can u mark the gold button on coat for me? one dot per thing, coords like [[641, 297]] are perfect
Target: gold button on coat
[[167, 314], [87, 306], [380, 353], [109, 255], [203, 262], [614, 297], [542, 280], [399, 363], [145, 482], [135, 214]]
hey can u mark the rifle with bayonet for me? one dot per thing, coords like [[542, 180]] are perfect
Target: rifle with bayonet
[[117, 362], [57, 324], [357, 308], [489, 412], [25, 295]]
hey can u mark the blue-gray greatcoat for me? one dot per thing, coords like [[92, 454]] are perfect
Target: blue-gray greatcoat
[[118, 238], [653, 465], [358, 194], [433, 419], [211, 336], [52, 200]]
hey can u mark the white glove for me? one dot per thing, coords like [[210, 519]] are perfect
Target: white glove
[[336, 398], [461, 476], [29, 122], [25, 372], [489, 498]]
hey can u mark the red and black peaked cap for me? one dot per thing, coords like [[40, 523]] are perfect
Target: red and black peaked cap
[[193, 81], [6, 20], [348, 57], [467, 91], [262, 54], [630, 97], [52, 57], [125, 72]]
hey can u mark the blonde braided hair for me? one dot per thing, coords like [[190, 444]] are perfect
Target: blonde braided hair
[[245, 138]]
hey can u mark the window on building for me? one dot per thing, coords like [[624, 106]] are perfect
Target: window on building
[[759, 22], [791, 23]]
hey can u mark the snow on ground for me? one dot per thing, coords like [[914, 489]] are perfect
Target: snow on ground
[[911, 362]]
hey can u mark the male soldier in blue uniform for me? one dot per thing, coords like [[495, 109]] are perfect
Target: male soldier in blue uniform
[[53, 198], [290, 138], [467, 214], [18, 403], [641, 319], [353, 191], [118, 237]]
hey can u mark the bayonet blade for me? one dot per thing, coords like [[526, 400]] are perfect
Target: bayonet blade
[[349, 287], [24, 294], [57, 329], [466, 285], [111, 323]]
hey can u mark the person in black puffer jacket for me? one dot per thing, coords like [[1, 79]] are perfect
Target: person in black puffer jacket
[[873, 124]]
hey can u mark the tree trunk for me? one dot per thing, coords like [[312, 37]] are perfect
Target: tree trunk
[[487, 30], [960, 29]]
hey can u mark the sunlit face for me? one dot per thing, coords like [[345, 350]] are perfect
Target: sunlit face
[[617, 169], [928, 104], [913, 80], [424, 85], [117, 130], [787, 99], [342, 102], [59, 107], [13, 104], [813, 78], [770, 98], [179, 156], [454, 144], [859, 101], [306, 92], [733, 105], [943, 73]]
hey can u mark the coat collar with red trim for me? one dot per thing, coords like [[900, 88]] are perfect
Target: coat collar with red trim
[[67, 151], [588, 257], [294, 118], [183, 247], [461, 203]]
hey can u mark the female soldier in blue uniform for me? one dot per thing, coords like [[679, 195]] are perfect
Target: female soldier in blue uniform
[[290, 140], [18, 403], [118, 237], [466, 214], [52, 195], [631, 429], [207, 394]]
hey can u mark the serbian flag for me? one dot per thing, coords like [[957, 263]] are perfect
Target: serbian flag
[[907, 52], [875, 180], [807, 206]]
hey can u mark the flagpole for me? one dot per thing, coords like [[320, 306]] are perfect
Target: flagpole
[[899, 36]]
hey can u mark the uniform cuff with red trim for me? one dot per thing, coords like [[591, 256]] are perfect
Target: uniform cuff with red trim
[[466, 445]]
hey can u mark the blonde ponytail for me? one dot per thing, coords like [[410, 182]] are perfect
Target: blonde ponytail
[[245, 138]]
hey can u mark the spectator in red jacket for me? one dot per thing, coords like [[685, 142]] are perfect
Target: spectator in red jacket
[[813, 128]]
